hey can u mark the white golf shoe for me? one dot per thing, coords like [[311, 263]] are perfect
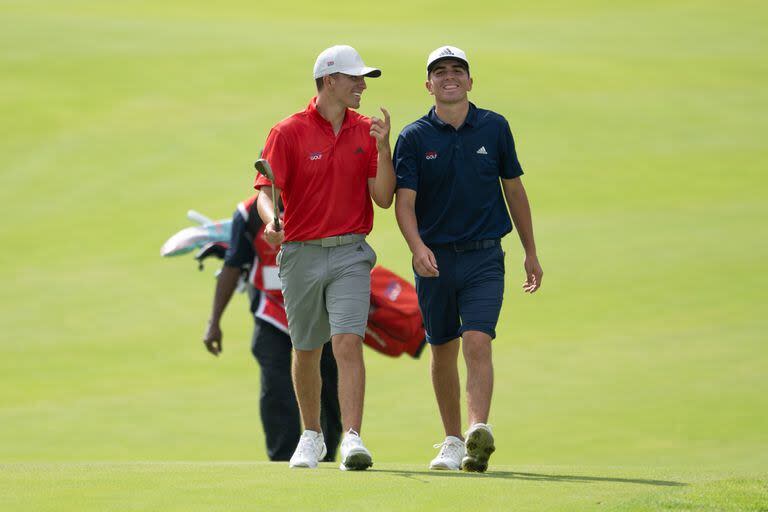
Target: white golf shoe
[[451, 454], [309, 451], [479, 448], [354, 455]]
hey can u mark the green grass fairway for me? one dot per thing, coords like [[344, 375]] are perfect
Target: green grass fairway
[[230, 486], [635, 380]]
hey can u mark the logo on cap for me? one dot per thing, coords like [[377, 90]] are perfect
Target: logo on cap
[[446, 51], [330, 63], [430, 155]]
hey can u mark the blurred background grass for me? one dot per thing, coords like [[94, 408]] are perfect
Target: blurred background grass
[[639, 127]]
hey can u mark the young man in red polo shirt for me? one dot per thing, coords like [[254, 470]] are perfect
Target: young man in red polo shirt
[[328, 162]]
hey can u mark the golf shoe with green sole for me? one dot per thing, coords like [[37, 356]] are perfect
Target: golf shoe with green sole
[[479, 443]]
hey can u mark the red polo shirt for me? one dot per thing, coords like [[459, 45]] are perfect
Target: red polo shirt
[[323, 177]]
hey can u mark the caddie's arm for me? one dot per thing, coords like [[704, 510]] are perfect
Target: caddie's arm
[[382, 187], [267, 213], [520, 210], [424, 262], [225, 287]]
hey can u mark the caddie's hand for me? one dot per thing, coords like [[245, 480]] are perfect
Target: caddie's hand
[[424, 262], [274, 237], [533, 274], [212, 339], [380, 130]]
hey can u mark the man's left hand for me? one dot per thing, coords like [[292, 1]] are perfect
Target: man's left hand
[[533, 274], [380, 130]]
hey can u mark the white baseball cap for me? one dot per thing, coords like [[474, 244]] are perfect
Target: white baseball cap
[[342, 59], [446, 52]]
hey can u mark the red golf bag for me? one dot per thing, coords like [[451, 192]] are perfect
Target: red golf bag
[[394, 322]]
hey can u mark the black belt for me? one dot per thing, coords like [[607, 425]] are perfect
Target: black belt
[[473, 245]]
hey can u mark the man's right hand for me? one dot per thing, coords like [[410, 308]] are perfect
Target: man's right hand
[[273, 237], [212, 339], [424, 262]]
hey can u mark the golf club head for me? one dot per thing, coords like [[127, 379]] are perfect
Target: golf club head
[[262, 167]]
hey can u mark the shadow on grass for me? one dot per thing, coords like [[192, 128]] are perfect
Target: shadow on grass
[[513, 475]]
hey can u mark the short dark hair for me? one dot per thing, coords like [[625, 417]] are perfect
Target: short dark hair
[[319, 81]]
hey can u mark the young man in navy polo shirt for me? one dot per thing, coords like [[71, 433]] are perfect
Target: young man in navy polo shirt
[[328, 163], [452, 213]]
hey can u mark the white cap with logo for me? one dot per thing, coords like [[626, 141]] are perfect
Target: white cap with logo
[[446, 52], [342, 59]]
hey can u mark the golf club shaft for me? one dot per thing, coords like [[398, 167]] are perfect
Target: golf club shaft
[[277, 209], [263, 168]]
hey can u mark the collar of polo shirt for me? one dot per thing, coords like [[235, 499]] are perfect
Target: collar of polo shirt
[[470, 120]]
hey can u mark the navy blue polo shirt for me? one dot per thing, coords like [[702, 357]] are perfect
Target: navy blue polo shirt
[[455, 174]]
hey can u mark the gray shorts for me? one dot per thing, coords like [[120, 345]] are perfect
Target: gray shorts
[[327, 289]]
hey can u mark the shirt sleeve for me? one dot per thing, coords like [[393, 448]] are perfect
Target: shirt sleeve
[[276, 152], [405, 164], [240, 252], [509, 165]]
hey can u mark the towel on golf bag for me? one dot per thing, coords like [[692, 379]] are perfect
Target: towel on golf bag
[[395, 324]]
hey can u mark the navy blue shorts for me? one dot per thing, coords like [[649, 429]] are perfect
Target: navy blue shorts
[[466, 296]]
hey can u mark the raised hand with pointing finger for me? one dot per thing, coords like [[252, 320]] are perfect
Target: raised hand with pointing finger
[[380, 130]]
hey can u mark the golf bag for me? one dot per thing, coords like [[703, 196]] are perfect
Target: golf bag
[[395, 325]]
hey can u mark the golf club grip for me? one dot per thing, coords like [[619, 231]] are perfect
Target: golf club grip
[[277, 224]]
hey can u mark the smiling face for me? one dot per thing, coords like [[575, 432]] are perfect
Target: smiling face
[[346, 89], [449, 82]]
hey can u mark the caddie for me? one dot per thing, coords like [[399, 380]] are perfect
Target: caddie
[[328, 162], [455, 167], [270, 345]]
